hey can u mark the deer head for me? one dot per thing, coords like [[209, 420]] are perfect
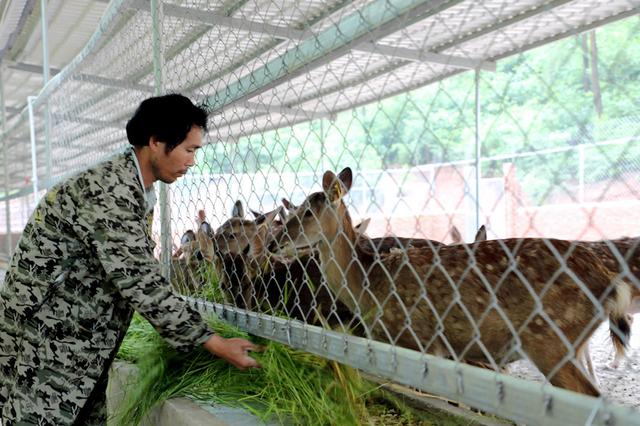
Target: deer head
[[319, 216]]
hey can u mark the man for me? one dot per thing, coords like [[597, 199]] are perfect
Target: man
[[84, 263]]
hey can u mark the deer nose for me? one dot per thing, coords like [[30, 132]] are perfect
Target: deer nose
[[273, 246]]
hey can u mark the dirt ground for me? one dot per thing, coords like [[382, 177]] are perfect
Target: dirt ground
[[621, 385]]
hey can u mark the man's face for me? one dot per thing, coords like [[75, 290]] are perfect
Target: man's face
[[169, 167]]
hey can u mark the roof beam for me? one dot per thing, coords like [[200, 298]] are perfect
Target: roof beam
[[287, 33], [417, 55], [110, 82], [32, 68], [103, 81], [101, 124], [211, 18], [284, 110], [27, 9], [477, 34]]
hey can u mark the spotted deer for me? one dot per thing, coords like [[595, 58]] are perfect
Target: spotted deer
[[513, 291], [621, 256]]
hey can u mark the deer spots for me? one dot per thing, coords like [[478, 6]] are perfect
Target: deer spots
[[538, 328]]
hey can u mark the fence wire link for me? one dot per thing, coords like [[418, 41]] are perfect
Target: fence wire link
[[451, 178]]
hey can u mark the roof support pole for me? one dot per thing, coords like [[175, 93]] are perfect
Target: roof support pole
[[45, 80], [7, 202], [478, 152], [158, 79], [34, 160]]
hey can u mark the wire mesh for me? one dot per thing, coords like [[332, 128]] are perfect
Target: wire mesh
[[444, 116]]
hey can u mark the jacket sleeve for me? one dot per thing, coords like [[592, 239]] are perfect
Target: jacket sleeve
[[110, 222]]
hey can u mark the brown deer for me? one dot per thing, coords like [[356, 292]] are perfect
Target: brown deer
[[186, 245], [256, 279], [478, 302], [620, 256]]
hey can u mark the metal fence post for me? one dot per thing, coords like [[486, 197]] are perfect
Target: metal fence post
[[3, 128], [165, 196], [34, 162], [45, 79], [478, 147]]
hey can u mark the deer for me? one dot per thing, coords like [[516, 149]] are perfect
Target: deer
[[186, 245], [629, 249], [230, 244], [379, 244], [622, 257], [257, 279], [514, 291]]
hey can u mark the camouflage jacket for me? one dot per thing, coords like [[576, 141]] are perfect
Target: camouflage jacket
[[83, 264]]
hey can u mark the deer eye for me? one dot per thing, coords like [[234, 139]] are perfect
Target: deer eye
[[308, 213]]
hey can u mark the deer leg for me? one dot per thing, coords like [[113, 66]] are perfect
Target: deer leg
[[546, 356], [586, 356], [571, 377]]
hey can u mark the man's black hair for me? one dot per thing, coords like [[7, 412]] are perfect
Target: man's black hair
[[168, 118]]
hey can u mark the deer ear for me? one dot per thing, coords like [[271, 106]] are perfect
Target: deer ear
[[237, 210], [333, 187], [455, 235], [283, 215], [481, 235], [271, 216], [346, 177], [257, 242], [288, 205], [255, 213], [362, 226], [268, 218]]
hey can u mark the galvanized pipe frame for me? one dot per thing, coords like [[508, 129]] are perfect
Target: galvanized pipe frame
[[3, 124], [472, 36], [517, 399], [373, 21], [158, 78]]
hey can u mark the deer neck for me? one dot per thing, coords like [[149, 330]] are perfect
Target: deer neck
[[337, 256]]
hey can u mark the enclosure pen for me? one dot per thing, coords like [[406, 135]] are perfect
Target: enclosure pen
[[438, 194]]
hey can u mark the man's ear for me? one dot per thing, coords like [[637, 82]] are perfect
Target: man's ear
[[155, 145]]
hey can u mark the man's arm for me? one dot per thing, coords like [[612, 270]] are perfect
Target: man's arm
[[115, 232]]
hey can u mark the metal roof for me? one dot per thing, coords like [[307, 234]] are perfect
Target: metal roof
[[260, 65]]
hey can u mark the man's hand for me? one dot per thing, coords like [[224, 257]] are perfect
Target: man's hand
[[235, 351]]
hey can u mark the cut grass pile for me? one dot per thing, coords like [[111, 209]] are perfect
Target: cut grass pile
[[291, 387]]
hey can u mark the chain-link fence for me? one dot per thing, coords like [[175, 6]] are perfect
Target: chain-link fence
[[355, 149]]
